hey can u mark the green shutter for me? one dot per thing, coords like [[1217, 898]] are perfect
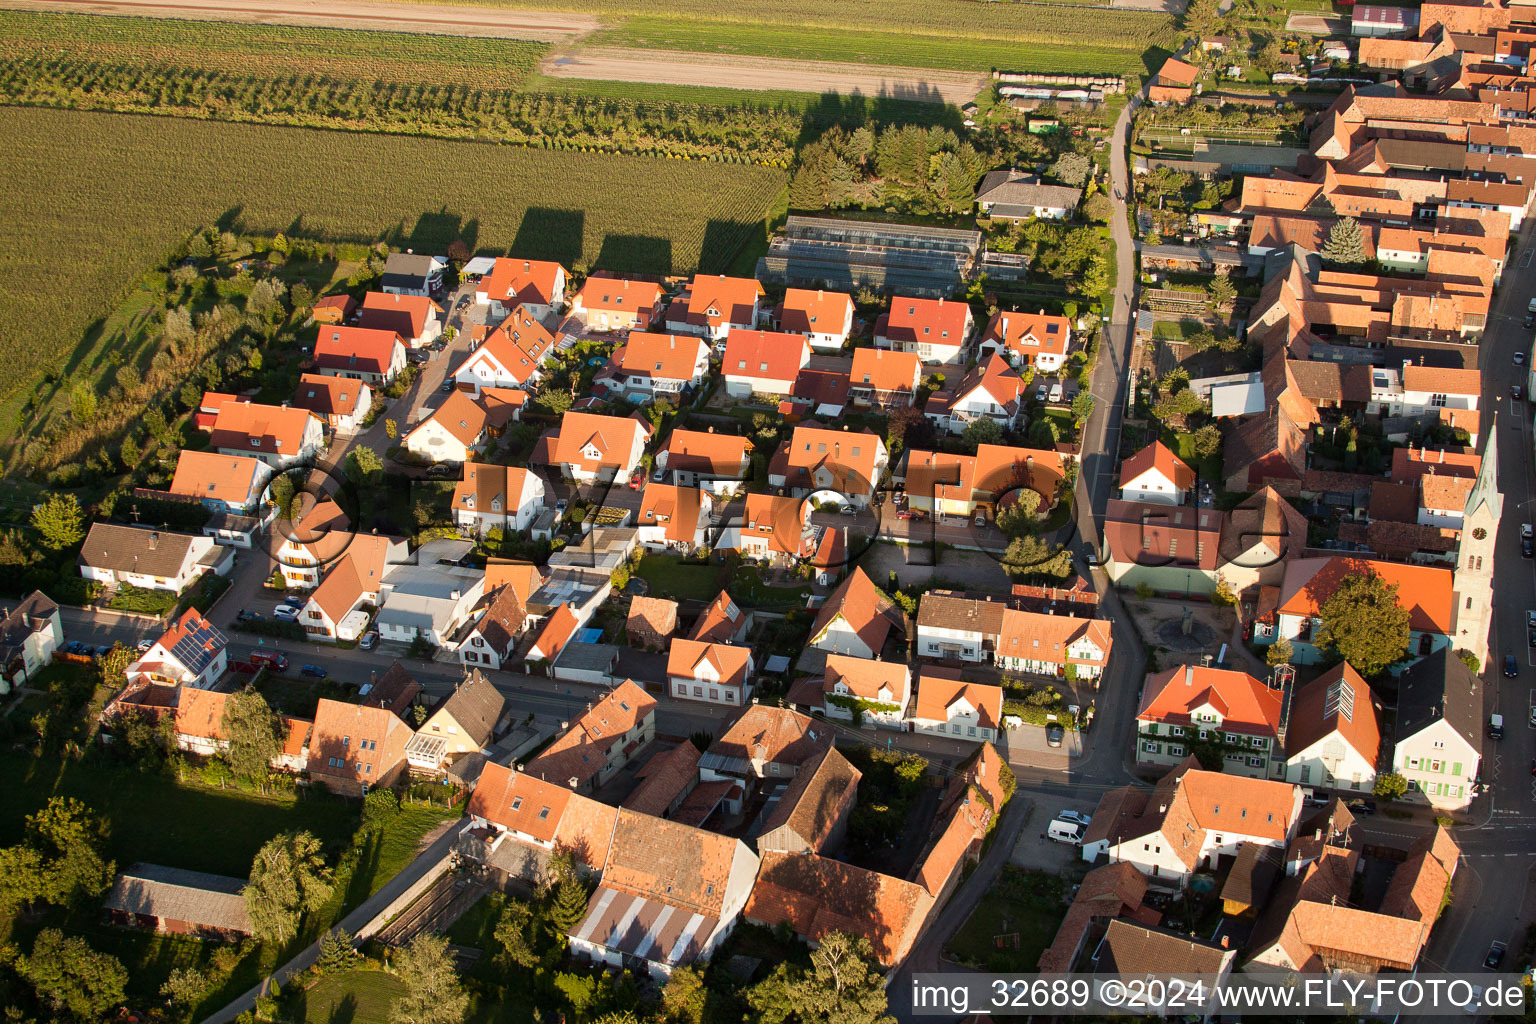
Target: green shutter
[[1152, 729], [1456, 768]]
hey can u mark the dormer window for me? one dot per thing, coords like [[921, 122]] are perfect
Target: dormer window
[[255, 442], [469, 501]]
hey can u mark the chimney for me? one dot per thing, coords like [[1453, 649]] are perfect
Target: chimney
[[154, 539], [1226, 942], [574, 781], [1189, 675]]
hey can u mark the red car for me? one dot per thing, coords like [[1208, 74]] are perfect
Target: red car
[[909, 515]]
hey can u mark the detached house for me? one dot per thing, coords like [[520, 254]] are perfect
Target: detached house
[[1439, 730], [674, 518], [949, 706], [715, 673], [406, 273], [763, 363], [1012, 195], [496, 497], [1333, 738], [825, 319], [866, 692], [536, 285], [413, 317], [323, 537], [886, 380], [715, 305], [355, 748], [1053, 645], [721, 622], [1027, 339], [657, 364], [991, 390], [370, 355], [428, 601], [1425, 591], [1156, 476], [617, 304], [151, 559], [670, 895], [338, 607], [600, 742], [516, 820], [651, 622], [510, 356], [339, 402], [764, 743], [856, 619], [1189, 820], [1190, 704], [280, 436], [956, 627], [452, 433], [193, 653], [590, 447], [848, 463], [29, 634], [935, 330], [489, 638], [222, 483], [717, 463], [464, 723], [774, 530]]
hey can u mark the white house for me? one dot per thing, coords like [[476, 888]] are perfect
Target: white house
[[313, 545], [1333, 738], [991, 390], [510, 356], [452, 433], [489, 638], [428, 601], [715, 305], [29, 634], [936, 330], [1439, 730], [590, 447], [772, 529], [718, 463], [855, 619], [496, 497], [192, 653], [674, 518], [866, 691], [608, 303], [1059, 645], [824, 318], [955, 626], [1027, 339], [148, 558], [657, 364], [1157, 476], [762, 362], [414, 318], [281, 436], [222, 483], [406, 273], [710, 672], [957, 709], [373, 355], [341, 402], [1191, 704], [849, 463], [1188, 821], [536, 285]]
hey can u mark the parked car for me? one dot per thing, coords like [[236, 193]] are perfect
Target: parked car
[[447, 387], [246, 616], [1077, 816], [1041, 392], [848, 510], [370, 640], [143, 645], [74, 647], [1054, 734], [1495, 727], [561, 506], [1519, 358], [980, 520], [314, 672], [286, 613], [1516, 392], [443, 469], [1358, 807], [1527, 547], [1511, 666], [270, 659], [1495, 956], [909, 514]]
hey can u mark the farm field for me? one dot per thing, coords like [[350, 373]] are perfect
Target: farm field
[[1065, 40], [734, 72], [105, 196], [270, 50]]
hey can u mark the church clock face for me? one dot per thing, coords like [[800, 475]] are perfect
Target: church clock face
[[1479, 533]]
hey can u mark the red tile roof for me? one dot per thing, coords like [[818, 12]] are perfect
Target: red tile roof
[[355, 349], [1157, 456], [405, 315], [719, 622], [687, 658], [714, 299], [814, 312], [209, 475], [884, 370], [200, 713], [770, 734], [851, 457], [620, 295], [519, 344], [1029, 334], [764, 355], [707, 453], [925, 321], [678, 509], [867, 611], [279, 429], [937, 693], [815, 895], [1141, 533], [660, 356], [611, 436], [606, 725], [329, 396], [1424, 590], [555, 633], [1245, 704], [1338, 701], [514, 281], [342, 730]]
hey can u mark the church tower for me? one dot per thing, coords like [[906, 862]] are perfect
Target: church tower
[[1473, 609]]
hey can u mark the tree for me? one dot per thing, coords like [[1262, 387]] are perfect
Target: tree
[[68, 974], [1206, 442], [569, 905], [842, 986], [517, 934], [59, 860], [1017, 518], [282, 492], [1390, 786], [1365, 623], [60, 520], [1470, 660], [1071, 168], [1031, 556], [982, 431], [433, 994], [1279, 653], [129, 453], [1346, 243], [185, 986], [1223, 291], [363, 465], [338, 952], [303, 297], [391, 429], [1043, 433], [1100, 208], [288, 879], [1082, 406], [380, 807], [620, 577], [555, 397], [255, 734], [423, 513], [683, 997]]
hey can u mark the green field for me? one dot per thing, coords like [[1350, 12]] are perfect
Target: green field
[[96, 199], [270, 50], [356, 997], [1066, 40]]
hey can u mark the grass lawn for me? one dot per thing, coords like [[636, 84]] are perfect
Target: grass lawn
[[1183, 446], [353, 997], [750, 591], [1014, 906], [669, 576], [477, 927], [158, 820]]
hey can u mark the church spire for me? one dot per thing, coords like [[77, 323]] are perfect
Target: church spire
[[1485, 491]]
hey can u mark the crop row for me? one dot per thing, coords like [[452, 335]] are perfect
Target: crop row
[[108, 195], [272, 49], [1095, 41]]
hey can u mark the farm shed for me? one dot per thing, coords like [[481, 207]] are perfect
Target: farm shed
[[179, 902]]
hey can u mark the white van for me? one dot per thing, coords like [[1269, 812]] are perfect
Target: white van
[[1069, 832], [1056, 392]]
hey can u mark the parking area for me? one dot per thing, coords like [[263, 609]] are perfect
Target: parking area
[[1027, 746], [1034, 850]]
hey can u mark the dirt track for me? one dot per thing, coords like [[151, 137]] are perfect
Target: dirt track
[[672, 67], [442, 19]]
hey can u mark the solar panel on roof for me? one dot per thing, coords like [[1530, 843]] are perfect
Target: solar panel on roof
[[197, 647]]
